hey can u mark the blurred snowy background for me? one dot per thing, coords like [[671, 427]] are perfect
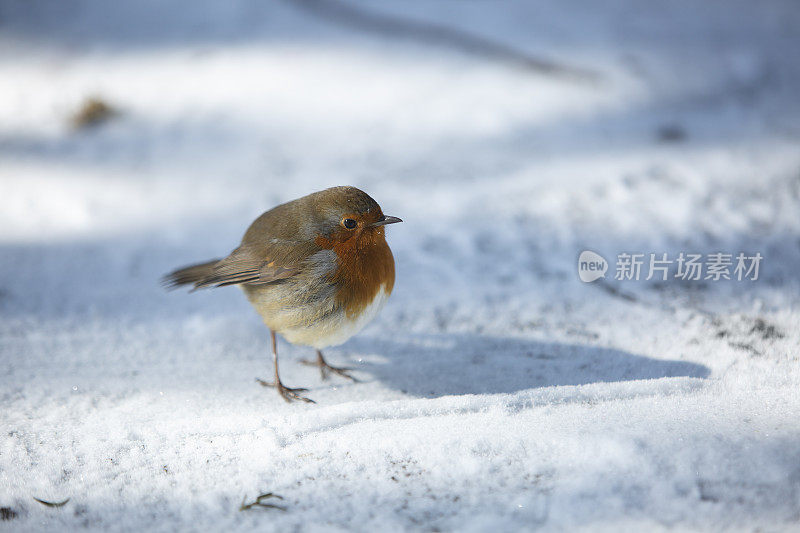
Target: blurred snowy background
[[499, 391]]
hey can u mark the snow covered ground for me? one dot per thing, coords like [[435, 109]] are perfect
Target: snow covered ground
[[498, 391]]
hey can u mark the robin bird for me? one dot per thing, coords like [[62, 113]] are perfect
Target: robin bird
[[317, 270]]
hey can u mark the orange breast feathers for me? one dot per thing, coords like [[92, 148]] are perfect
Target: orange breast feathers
[[365, 266]]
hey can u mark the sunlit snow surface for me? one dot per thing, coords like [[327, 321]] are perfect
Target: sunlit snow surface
[[498, 391]]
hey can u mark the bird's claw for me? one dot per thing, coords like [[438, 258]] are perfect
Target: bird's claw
[[325, 368], [287, 393]]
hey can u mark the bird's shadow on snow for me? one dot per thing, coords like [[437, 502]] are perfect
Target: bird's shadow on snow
[[454, 364]]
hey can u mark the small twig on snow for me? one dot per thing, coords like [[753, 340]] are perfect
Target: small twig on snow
[[259, 503], [430, 32], [51, 504]]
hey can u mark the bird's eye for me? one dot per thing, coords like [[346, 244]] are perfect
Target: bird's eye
[[349, 223]]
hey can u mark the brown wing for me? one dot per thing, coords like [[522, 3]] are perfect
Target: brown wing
[[271, 250], [246, 265]]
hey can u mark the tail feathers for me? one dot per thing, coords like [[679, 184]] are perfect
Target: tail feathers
[[191, 275]]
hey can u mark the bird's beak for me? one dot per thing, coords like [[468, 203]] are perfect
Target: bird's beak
[[386, 219]]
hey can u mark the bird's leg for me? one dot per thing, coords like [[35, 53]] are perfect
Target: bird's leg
[[286, 393], [324, 367]]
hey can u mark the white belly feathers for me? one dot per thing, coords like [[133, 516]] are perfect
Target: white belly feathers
[[337, 327]]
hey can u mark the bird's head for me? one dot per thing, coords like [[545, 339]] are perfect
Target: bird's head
[[349, 215]]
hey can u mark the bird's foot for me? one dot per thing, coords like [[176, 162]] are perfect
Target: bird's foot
[[286, 393], [325, 368]]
